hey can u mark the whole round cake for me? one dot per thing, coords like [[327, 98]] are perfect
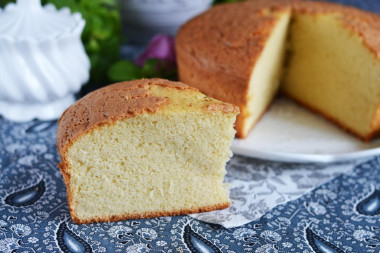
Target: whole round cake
[[324, 56], [143, 149]]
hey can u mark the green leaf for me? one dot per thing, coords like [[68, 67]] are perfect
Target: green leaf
[[150, 68], [101, 35], [124, 71], [72, 4]]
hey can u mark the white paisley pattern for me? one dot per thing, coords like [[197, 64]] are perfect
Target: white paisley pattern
[[257, 187]]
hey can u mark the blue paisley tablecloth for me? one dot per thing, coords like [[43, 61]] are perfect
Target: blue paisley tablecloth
[[342, 215]]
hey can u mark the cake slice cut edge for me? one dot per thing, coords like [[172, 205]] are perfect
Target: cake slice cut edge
[[169, 161], [332, 72], [266, 75]]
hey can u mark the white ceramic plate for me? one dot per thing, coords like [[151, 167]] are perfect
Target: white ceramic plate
[[290, 133]]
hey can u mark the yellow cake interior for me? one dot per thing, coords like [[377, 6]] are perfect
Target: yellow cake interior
[[267, 72], [165, 162], [327, 67], [332, 71]]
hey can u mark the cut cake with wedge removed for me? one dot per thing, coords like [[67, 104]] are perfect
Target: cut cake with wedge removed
[[324, 56], [145, 148]]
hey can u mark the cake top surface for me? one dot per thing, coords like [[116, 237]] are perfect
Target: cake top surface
[[242, 29], [127, 99]]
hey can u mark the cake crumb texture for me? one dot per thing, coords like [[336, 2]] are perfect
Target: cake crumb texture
[[163, 152]]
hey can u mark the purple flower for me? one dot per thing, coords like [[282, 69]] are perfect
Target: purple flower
[[160, 47]]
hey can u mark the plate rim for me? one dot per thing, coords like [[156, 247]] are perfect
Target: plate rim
[[290, 157]]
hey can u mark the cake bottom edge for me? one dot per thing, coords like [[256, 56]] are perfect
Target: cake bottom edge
[[147, 215], [366, 138]]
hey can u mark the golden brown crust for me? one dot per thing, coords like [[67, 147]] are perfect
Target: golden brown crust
[[111, 103], [217, 51], [105, 106], [147, 215], [216, 54], [223, 107]]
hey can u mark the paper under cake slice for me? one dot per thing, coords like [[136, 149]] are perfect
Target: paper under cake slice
[[143, 149]]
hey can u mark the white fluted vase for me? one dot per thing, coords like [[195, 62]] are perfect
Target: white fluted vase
[[42, 60]]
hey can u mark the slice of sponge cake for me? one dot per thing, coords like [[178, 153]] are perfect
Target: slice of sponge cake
[[143, 149]]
